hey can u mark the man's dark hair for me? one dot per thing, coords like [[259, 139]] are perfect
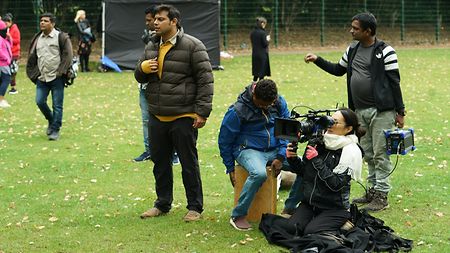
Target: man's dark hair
[[266, 90], [151, 10], [367, 20], [48, 15], [172, 12]]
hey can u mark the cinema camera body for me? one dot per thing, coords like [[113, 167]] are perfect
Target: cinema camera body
[[311, 127]]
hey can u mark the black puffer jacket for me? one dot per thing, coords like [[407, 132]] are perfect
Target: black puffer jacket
[[186, 85], [320, 187]]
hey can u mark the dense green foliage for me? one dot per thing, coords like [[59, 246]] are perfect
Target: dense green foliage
[[84, 194]]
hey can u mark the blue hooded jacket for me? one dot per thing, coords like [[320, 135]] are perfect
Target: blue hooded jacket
[[246, 126]]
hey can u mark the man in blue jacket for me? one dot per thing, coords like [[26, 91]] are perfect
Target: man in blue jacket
[[247, 136]]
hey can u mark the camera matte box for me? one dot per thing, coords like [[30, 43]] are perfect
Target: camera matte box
[[287, 129], [399, 141]]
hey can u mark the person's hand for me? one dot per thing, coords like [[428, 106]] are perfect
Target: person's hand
[[199, 122], [310, 57], [311, 152], [291, 151], [400, 120], [232, 178], [268, 37], [150, 66], [276, 167]]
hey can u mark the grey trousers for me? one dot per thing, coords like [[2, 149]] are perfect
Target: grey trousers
[[374, 145]]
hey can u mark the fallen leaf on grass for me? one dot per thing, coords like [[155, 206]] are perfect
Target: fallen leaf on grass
[[53, 219], [439, 214]]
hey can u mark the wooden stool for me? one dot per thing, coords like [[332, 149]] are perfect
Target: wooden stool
[[265, 200]]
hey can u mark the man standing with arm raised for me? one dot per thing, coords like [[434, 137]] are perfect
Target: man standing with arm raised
[[373, 87]]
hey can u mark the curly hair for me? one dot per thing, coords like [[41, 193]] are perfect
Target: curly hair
[[266, 90]]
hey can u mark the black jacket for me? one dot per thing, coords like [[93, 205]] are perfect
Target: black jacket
[[385, 76], [260, 53], [321, 187], [186, 85]]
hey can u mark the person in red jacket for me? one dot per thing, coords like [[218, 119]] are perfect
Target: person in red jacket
[[15, 35]]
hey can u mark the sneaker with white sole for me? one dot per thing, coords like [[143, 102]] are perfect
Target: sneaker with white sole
[[13, 91], [4, 104], [240, 223]]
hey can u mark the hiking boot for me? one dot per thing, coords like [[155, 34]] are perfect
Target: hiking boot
[[240, 223], [152, 212], [367, 198], [192, 216], [54, 135], [143, 157], [13, 91], [378, 203]]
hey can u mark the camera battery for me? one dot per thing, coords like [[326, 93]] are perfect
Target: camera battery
[[399, 141]]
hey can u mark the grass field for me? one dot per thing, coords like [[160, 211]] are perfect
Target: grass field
[[84, 194]]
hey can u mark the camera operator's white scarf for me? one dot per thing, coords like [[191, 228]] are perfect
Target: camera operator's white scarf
[[351, 157]]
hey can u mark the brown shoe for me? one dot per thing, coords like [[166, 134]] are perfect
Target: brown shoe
[[240, 223], [192, 216], [152, 212]]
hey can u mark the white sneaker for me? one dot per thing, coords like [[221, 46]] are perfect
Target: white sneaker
[[4, 104]]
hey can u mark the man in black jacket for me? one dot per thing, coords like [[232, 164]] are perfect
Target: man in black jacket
[[373, 87], [179, 93]]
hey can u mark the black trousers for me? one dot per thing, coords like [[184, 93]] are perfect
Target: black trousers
[[310, 220], [164, 138]]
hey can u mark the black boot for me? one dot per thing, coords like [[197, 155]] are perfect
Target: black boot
[[379, 202], [367, 198]]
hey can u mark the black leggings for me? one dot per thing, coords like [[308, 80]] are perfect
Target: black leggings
[[84, 62], [310, 220]]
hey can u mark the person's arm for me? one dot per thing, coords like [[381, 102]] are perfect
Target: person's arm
[[334, 182], [282, 143], [146, 67], [393, 75], [204, 79], [229, 132]]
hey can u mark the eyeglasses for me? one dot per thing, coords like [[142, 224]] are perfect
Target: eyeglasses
[[338, 123]]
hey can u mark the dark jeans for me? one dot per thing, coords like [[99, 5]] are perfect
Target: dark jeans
[[56, 87], [181, 136], [310, 220]]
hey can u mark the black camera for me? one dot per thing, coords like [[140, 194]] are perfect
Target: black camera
[[313, 125]]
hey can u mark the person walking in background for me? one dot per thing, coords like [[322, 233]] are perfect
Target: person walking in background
[[15, 36], [247, 136], [373, 87], [5, 61], [260, 50], [49, 57], [85, 39], [179, 93]]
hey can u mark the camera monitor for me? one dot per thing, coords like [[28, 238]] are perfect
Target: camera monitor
[[287, 129]]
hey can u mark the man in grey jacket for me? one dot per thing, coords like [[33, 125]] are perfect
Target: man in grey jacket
[[179, 93], [50, 56]]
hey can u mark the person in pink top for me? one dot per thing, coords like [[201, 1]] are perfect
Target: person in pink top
[[5, 61], [15, 35]]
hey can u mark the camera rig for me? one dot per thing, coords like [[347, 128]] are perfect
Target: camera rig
[[313, 125]]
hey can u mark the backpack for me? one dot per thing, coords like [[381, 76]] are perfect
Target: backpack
[[72, 72]]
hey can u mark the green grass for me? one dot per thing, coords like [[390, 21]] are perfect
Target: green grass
[[83, 193]]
